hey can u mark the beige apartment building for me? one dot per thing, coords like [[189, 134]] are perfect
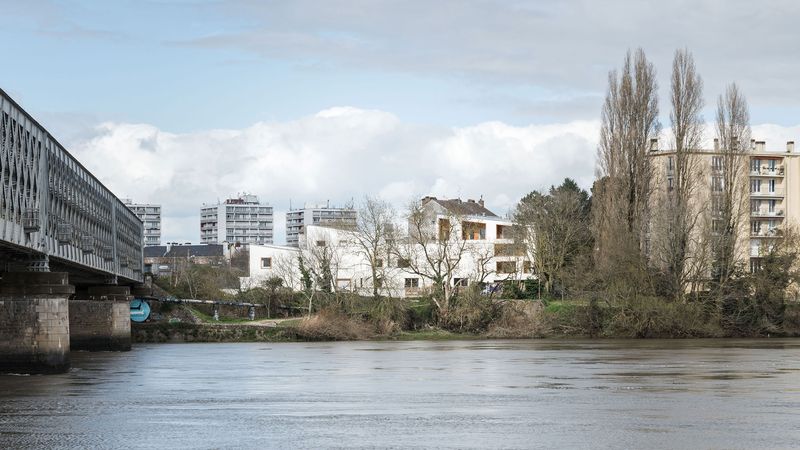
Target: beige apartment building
[[770, 195]]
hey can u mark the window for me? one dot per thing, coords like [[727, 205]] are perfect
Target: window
[[444, 229], [320, 243], [403, 263], [755, 186], [460, 282], [771, 165], [755, 265], [508, 250], [378, 262], [670, 184], [755, 226], [755, 206], [501, 230], [670, 163], [266, 263], [755, 165], [527, 267], [471, 231], [771, 186], [412, 282], [772, 206], [506, 267], [716, 163], [716, 184], [716, 204]]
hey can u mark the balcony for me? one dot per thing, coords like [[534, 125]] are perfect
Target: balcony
[[765, 171], [773, 233], [777, 193], [766, 213]]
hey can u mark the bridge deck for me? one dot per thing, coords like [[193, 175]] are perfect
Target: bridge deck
[[50, 205]]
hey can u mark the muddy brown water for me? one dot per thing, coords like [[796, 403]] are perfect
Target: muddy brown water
[[457, 394]]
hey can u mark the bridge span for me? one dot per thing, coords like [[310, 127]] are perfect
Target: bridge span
[[70, 252]]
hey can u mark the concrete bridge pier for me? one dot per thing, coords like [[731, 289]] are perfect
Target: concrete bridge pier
[[100, 319], [34, 322]]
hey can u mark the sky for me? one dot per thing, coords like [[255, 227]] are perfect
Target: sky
[[186, 102]]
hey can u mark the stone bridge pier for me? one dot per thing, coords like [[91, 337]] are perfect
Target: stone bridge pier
[[100, 319], [34, 322]]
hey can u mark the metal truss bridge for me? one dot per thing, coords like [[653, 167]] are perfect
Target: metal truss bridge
[[55, 215]]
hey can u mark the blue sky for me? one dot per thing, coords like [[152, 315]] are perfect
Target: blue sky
[[503, 95]]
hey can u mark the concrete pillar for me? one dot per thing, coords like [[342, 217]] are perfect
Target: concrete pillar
[[100, 320], [34, 322]]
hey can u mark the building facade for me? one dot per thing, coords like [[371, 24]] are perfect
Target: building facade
[[150, 215], [482, 240], [769, 197], [298, 219], [242, 220]]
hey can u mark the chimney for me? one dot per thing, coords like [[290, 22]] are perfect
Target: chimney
[[760, 146], [654, 145], [469, 200], [790, 147], [480, 202], [427, 198], [752, 144], [716, 144]]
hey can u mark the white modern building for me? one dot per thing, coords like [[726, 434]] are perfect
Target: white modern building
[[318, 214], [241, 220], [481, 240], [150, 215]]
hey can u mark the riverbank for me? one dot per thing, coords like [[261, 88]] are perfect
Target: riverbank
[[515, 320]]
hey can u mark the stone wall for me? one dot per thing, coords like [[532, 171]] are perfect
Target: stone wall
[[34, 323], [100, 325]]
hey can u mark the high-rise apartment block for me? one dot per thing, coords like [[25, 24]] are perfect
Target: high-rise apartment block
[[322, 214], [768, 200], [241, 220], [150, 215]]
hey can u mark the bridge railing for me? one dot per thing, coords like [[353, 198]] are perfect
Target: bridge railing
[[51, 205]]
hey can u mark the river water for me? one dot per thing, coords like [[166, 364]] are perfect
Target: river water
[[465, 394]]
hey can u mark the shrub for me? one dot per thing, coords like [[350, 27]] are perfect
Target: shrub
[[332, 325]]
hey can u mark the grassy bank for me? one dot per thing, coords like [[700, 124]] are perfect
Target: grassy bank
[[498, 319]]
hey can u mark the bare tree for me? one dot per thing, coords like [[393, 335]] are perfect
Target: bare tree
[[729, 185], [678, 215], [322, 256], [286, 268], [629, 124], [432, 249], [370, 238]]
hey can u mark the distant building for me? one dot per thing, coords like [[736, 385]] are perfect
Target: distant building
[[150, 215], [241, 220], [162, 260], [298, 219]]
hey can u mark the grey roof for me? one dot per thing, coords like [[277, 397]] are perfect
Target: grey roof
[[155, 251], [462, 208], [178, 251]]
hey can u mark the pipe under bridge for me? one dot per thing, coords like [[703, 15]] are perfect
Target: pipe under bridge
[[70, 251]]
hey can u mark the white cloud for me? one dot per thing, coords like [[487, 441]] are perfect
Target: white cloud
[[341, 154], [338, 154]]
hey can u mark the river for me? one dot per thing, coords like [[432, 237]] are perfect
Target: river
[[454, 394]]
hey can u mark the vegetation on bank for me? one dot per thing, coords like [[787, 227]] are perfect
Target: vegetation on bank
[[348, 317]]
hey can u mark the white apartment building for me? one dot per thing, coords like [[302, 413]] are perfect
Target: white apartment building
[[150, 215], [486, 256], [318, 214], [241, 220]]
